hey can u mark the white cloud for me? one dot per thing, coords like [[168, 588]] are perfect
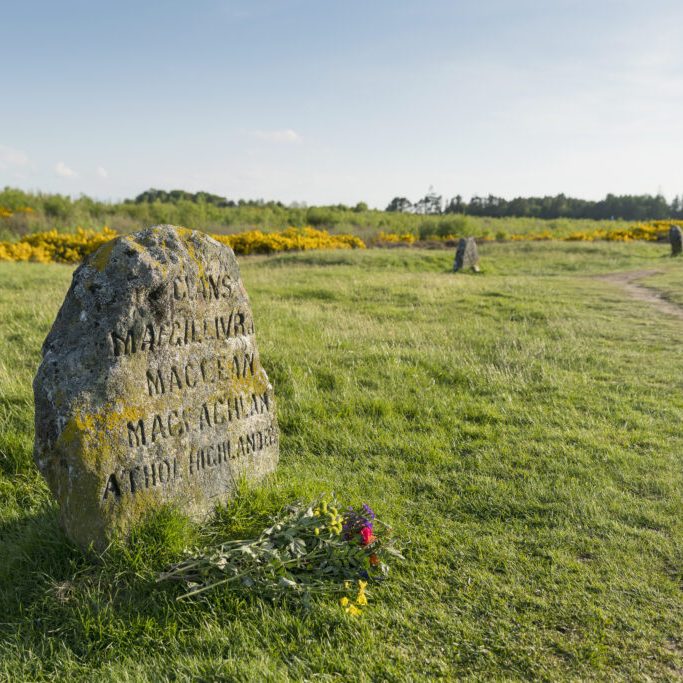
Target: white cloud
[[63, 170], [12, 158], [286, 135], [102, 172]]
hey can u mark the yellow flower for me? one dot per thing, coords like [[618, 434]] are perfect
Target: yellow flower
[[344, 601], [353, 611], [362, 599], [52, 245]]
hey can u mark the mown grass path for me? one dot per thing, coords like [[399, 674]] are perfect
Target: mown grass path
[[629, 281], [521, 429]]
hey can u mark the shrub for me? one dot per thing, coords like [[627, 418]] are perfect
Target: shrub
[[59, 247]]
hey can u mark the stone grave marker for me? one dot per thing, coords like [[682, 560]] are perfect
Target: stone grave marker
[[466, 255], [151, 388], [676, 239]]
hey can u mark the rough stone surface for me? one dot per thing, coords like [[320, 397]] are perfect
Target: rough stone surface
[[151, 389], [676, 239], [466, 255]]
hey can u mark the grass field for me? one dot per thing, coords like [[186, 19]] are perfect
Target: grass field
[[521, 429]]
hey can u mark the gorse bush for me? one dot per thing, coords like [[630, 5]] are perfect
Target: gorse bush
[[46, 247], [395, 238], [292, 239], [61, 247], [653, 231]]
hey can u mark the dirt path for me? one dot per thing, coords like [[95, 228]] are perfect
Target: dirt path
[[627, 281]]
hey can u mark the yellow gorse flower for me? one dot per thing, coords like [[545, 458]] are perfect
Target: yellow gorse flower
[[291, 239], [650, 231], [361, 598], [61, 247], [53, 246], [396, 238], [349, 608]]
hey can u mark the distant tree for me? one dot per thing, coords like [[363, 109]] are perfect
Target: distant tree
[[625, 207], [322, 216], [456, 205], [174, 196], [57, 206], [399, 205], [431, 203]]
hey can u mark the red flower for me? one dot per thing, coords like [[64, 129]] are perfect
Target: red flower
[[366, 535], [374, 560]]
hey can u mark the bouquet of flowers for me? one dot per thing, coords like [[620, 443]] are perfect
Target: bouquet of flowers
[[307, 549]]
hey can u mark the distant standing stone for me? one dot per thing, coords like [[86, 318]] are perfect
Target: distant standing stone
[[466, 255], [151, 390], [676, 239]]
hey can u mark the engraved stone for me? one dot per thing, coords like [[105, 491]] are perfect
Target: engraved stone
[[466, 255], [676, 239], [151, 389]]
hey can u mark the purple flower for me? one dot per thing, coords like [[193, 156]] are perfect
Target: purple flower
[[369, 512], [356, 521]]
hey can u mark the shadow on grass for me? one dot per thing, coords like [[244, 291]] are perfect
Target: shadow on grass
[[35, 553], [55, 597]]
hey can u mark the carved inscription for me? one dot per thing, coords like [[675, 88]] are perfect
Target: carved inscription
[[198, 461], [206, 287], [213, 369], [218, 368], [180, 332], [179, 421], [219, 365]]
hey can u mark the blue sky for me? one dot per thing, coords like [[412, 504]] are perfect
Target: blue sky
[[323, 102]]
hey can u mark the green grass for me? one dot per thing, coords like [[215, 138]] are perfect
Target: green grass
[[521, 429], [669, 283]]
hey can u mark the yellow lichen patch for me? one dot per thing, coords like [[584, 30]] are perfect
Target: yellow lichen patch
[[100, 258], [71, 433], [132, 243], [187, 237], [185, 232], [96, 428]]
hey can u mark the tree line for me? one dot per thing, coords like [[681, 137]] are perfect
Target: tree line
[[23, 212], [624, 207]]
